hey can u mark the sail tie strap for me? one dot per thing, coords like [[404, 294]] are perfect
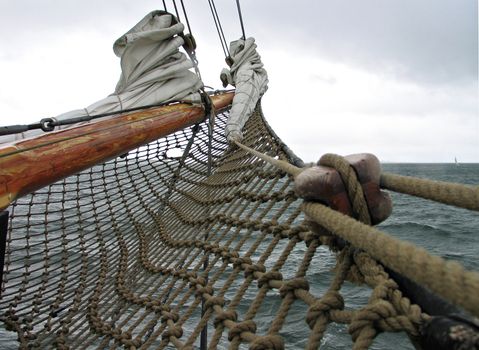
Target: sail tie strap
[[446, 278]]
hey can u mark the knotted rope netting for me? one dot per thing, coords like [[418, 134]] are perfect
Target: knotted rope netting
[[149, 249]]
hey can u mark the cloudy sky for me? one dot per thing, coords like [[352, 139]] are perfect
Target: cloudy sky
[[398, 78]]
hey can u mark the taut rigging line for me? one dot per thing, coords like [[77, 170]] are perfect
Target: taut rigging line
[[241, 19], [219, 28]]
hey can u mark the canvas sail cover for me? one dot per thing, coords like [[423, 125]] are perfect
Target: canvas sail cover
[[251, 81], [153, 70]]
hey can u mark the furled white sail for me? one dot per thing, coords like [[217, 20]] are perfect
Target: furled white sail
[[153, 70], [251, 81]]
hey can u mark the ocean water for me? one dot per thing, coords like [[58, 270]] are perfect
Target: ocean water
[[443, 230]]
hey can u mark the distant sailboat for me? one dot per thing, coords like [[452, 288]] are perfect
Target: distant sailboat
[[455, 161]]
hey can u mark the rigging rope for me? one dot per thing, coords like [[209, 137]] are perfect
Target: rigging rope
[[219, 28], [48, 124], [459, 195], [176, 10], [456, 284], [186, 17], [241, 19]]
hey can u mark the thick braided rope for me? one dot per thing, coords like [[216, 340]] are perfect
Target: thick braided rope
[[448, 193], [350, 179], [448, 279]]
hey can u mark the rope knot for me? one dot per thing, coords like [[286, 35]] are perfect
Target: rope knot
[[185, 273], [124, 335], [369, 316], [268, 342], [269, 276], [279, 228], [293, 285], [106, 328], [245, 326], [200, 281], [214, 248], [175, 331], [310, 237], [295, 232], [225, 253], [330, 301], [212, 301], [181, 273], [159, 309], [165, 316], [240, 261], [197, 281], [250, 269], [233, 256], [258, 225], [225, 315], [203, 290]]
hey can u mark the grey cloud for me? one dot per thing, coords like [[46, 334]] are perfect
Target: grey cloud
[[26, 21], [325, 79], [430, 41]]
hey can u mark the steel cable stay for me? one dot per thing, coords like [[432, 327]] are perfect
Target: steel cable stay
[[240, 18], [174, 6], [176, 11], [219, 28], [186, 17], [48, 124]]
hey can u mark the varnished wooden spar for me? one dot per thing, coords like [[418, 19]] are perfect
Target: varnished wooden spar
[[30, 164]]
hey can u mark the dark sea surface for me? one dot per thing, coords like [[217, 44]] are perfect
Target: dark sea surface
[[443, 230], [449, 232]]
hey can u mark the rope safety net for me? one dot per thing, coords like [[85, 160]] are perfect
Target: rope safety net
[[147, 250]]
